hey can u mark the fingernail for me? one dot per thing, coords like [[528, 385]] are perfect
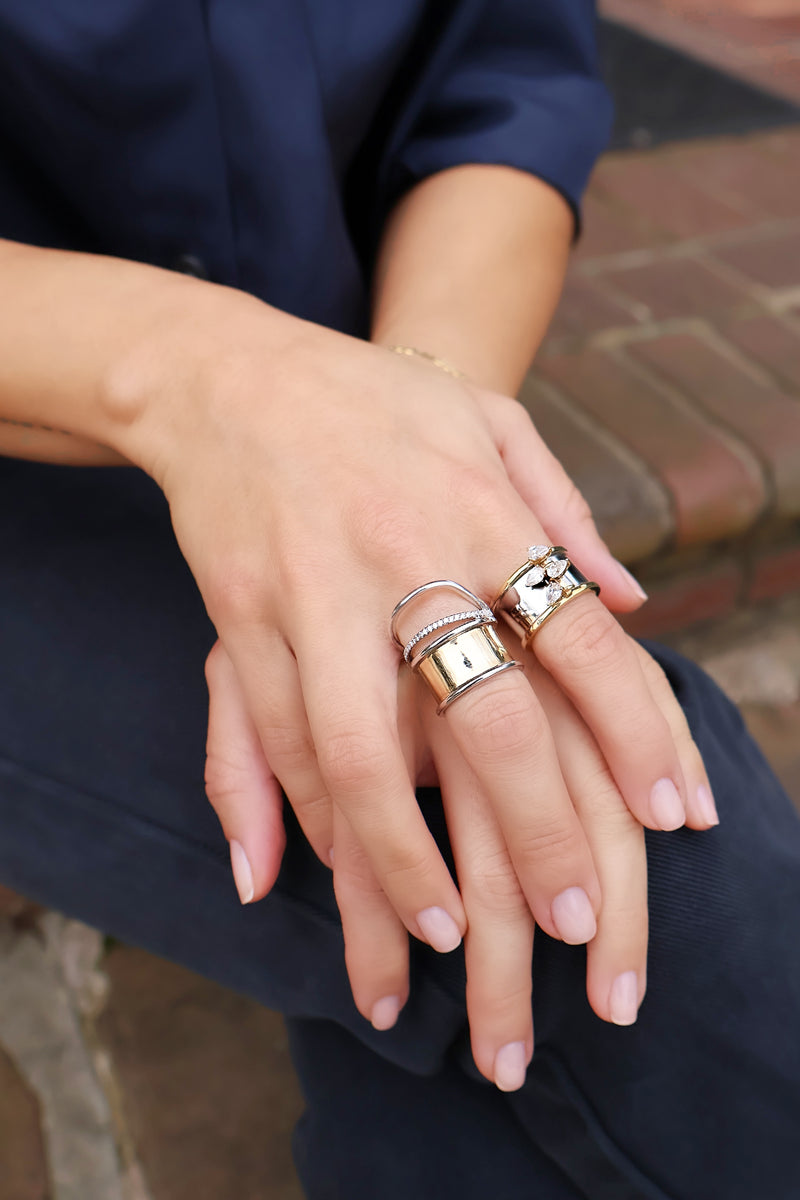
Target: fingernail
[[666, 805], [439, 929], [331, 856], [385, 1012], [623, 1000], [510, 1066], [632, 583], [573, 916], [242, 875], [705, 802]]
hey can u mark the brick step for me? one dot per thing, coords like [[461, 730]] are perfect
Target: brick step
[[669, 384]]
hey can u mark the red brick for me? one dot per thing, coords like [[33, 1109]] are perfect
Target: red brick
[[685, 600], [717, 491], [765, 418], [772, 261], [607, 231], [775, 573], [648, 185], [632, 510], [584, 308], [773, 343], [754, 179], [677, 287]]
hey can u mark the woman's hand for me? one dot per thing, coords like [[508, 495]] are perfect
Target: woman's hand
[[499, 937], [308, 492]]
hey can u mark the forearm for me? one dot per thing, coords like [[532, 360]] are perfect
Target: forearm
[[68, 324], [471, 268]]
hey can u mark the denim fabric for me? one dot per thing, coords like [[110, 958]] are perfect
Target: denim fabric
[[103, 814]]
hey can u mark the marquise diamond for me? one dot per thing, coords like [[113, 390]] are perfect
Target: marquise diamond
[[536, 553], [555, 567], [553, 593], [534, 577]]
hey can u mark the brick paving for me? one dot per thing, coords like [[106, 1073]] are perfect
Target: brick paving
[[758, 40], [669, 384]]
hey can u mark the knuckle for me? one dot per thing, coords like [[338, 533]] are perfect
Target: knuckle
[[236, 591], [592, 639], [503, 723], [351, 760], [554, 843], [311, 810], [355, 877], [290, 748], [405, 865], [226, 781], [385, 531], [473, 487], [495, 886]]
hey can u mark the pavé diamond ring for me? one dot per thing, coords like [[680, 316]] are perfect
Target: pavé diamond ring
[[458, 659], [545, 582]]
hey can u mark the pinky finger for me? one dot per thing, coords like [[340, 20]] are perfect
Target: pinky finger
[[701, 812], [375, 939], [242, 789]]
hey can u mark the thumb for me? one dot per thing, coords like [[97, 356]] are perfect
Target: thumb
[[242, 789], [544, 485]]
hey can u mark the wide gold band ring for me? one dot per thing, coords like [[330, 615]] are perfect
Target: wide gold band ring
[[545, 582], [458, 659]]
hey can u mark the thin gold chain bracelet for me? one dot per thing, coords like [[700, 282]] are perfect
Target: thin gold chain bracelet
[[433, 359]]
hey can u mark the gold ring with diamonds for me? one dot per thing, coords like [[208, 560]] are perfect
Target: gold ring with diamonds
[[458, 659], [544, 583]]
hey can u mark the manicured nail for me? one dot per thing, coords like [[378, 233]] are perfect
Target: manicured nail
[[510, 1066], [385, 1012], [632, 583], [331, 856], [439, 929], [242, 875], [705, 802], [623, 1000], [573, 916], [666, 805]]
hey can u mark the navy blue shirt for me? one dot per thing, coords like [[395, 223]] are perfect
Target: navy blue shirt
[[263, 141]]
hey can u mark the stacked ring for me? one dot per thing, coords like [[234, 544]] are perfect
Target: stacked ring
[[544, 583], [459, 659]]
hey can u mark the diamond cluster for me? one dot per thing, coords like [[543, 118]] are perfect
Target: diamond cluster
[[547, 569]]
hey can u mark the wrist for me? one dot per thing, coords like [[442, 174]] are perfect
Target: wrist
[[196, 337]]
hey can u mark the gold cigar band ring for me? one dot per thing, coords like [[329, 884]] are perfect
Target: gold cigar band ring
[[545, 582], [458, 651]]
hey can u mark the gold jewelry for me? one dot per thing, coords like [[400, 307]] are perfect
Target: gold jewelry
[[441, 363], [461, 660], [538, 589], [457, 659]]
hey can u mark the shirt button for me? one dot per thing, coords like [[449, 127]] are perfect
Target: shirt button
[[190, 264]]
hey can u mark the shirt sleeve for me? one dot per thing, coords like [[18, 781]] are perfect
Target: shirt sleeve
[[523, 90]]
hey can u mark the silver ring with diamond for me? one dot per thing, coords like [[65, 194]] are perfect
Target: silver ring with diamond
[[486, 617], [456, 652], [480, 609], [538, 589]]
